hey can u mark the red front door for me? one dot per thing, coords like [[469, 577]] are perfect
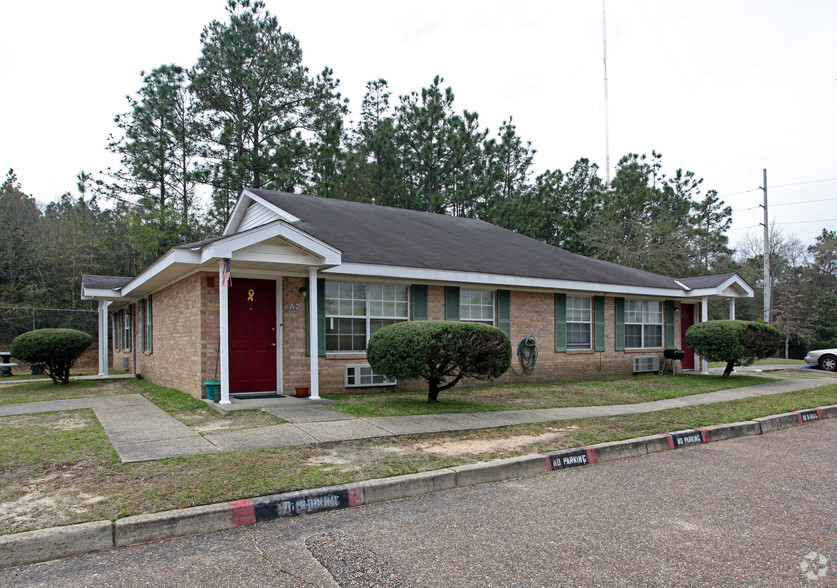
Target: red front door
[[252, 316], [687, 319]]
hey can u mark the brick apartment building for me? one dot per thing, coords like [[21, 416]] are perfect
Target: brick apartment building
[[238, 308]]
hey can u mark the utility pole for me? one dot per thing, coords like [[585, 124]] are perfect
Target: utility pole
[[768, 280], [604, 65]]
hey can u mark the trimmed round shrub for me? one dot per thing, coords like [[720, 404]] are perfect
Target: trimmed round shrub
[[733, 342], [57, 349], [440, 352]]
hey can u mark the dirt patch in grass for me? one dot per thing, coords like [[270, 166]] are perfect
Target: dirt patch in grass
[[43, 391], [481, 446]]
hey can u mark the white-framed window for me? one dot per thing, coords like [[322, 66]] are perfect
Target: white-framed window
[[354, 312], [643, 324], [146, 328], [579, 323], [476, 306], [126, 331]]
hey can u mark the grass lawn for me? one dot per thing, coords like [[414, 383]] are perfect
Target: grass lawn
[[189, 410], [628, 390], [59, 468], [40, 391]]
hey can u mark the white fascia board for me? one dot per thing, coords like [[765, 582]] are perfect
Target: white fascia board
[[426, 275], [224, 248], [100, 294], [241, 208], [174, 256]]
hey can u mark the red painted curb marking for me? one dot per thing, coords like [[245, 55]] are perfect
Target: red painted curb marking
[[356, 496], [669, 440], [799, 417], [704, 433], [591, 453], [820, 413], [548, 463], [243, 512]]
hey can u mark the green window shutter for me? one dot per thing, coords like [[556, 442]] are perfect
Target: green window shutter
[[599, 323], [142, 325], [560, 322], [504, 311], [320, 318], [150, 326], [117, 328], [419, 293], [451, 303], [619, 323], [669, 324], [321, 323]]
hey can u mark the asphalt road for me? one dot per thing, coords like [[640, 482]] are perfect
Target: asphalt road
[[757, 511]]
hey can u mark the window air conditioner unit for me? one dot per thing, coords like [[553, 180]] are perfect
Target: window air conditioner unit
[[646, 363], [362, 376]]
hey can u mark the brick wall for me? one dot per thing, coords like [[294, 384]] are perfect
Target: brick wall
[[532, 313], [186, 340], [176, 358]]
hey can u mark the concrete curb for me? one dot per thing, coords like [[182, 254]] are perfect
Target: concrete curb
[[55, 543], [59, 542]]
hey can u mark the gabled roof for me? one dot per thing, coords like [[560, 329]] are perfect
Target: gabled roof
[[380, 235], [278, 232]]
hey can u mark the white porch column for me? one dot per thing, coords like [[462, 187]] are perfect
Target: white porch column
[[313, 333], [103, 337], [704, 316], [732, 309], [224, 327]]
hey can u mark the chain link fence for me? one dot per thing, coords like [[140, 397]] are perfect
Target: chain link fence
[[15, 320]]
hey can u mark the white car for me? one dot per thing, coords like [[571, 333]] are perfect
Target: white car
[[826, 359]]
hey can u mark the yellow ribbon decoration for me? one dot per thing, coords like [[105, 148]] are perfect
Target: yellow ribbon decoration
[[250, 295]]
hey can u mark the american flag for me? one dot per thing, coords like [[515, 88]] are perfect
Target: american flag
[[226, 277]]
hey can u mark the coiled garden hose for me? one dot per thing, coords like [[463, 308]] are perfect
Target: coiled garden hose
[[527, 354]]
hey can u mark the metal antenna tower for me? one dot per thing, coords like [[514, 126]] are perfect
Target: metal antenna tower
[[604, 64]]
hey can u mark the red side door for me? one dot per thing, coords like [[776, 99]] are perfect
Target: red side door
[[687, 319], [252, 332]]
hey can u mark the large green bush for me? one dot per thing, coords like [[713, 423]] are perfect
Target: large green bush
[[440, 352], [733, 342], [58, 349]]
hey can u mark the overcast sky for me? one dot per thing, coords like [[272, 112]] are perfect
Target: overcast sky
[[724, 88]]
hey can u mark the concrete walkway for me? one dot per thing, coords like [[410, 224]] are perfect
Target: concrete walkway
[[139, 431]]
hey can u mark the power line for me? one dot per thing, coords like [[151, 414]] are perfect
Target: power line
[[785, 204], [806, 182]]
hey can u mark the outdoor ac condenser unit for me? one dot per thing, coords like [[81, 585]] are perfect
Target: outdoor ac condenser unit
[[361, 376], [646, 363]]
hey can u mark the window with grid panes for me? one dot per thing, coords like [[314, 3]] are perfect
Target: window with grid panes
[[354, 312], [579, 322], [643, 324], [476, 306]]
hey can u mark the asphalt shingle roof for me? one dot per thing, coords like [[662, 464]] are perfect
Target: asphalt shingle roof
[[380, 235]]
